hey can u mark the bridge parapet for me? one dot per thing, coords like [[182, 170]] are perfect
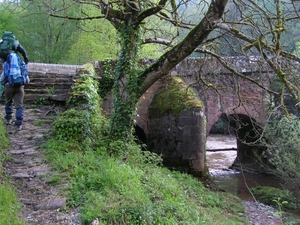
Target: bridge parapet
[[222, 92], [44, 68], [244, 65], [49, 82]]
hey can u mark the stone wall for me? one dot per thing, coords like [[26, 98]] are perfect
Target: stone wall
[[180, 140], [49, 82], [228, 94], [176, 126]]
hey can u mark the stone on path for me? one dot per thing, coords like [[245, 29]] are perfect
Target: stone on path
[[41, 202]]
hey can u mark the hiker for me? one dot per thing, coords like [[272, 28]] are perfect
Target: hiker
[[13, 78], [8, 44]]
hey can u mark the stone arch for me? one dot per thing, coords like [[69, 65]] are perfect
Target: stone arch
[[248, 133], [221, 126]]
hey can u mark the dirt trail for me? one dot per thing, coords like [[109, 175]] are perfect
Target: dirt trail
[[42, 203]]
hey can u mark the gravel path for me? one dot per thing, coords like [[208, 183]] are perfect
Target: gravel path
[[260, 214], [41, 203]]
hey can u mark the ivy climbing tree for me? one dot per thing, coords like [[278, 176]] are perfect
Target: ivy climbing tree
[[248, 28]]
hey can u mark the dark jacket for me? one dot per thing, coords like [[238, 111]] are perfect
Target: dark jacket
[[23, 52], [20, 50]]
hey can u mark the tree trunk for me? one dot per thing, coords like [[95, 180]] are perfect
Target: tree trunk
[[129, 85], [126, 85]]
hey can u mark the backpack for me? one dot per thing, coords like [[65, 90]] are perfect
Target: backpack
[[15, 70], [8, 44]]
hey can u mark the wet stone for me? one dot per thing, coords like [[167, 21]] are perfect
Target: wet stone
[[23, 151], [52, 204], [21, 175]]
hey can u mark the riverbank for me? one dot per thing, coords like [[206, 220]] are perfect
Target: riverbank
[[239, 183]]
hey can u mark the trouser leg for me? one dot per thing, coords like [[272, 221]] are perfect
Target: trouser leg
[[18, 102], [9, 93]]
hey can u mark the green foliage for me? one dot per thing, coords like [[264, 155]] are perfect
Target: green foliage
[[132, 192], [9, 206], [280, 199], [175, 96], [38, 122], [7, 19], [284, 150], [83, 122], [45, 38], [85, 90], [55, 180], [126, 87], [4, 144], [99, 43], [72, 125], [42, 101], [107, 79], [4, 141]]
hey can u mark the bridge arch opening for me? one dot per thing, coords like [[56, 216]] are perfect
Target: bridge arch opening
[[221, 147], [246, 133], [140, 135]]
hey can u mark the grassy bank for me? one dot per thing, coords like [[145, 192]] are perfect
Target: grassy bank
[[9, 206], [136, 191]]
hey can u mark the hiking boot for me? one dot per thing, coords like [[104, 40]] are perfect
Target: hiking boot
[[18, 128], [7, 122]]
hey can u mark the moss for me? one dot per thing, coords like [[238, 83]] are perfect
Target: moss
[[174, 97], [274, 197]]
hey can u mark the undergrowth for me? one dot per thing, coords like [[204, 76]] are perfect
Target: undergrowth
[[132, 191]]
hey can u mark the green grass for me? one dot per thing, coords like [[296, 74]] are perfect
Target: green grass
[[135, 192], [9, 206], [38, 122]]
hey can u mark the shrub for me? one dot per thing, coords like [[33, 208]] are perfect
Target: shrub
[[274, 197], [284, 151]]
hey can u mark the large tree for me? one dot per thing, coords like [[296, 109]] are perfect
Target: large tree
[[248, 28], [130, 19]]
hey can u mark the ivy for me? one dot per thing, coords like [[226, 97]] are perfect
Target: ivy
[[126, 86], [83, 121], [107, 80]]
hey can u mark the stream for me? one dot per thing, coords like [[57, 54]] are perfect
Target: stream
[[229, 180]]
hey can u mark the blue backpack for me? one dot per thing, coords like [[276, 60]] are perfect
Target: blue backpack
[[15, 70]]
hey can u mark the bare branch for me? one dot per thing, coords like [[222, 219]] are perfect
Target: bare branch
[[158, 41]]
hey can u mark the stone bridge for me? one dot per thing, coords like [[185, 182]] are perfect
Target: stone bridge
[[222, 93], [239, 100], [236, 99]]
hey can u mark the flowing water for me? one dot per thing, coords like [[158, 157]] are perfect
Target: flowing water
[[229, 180]]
